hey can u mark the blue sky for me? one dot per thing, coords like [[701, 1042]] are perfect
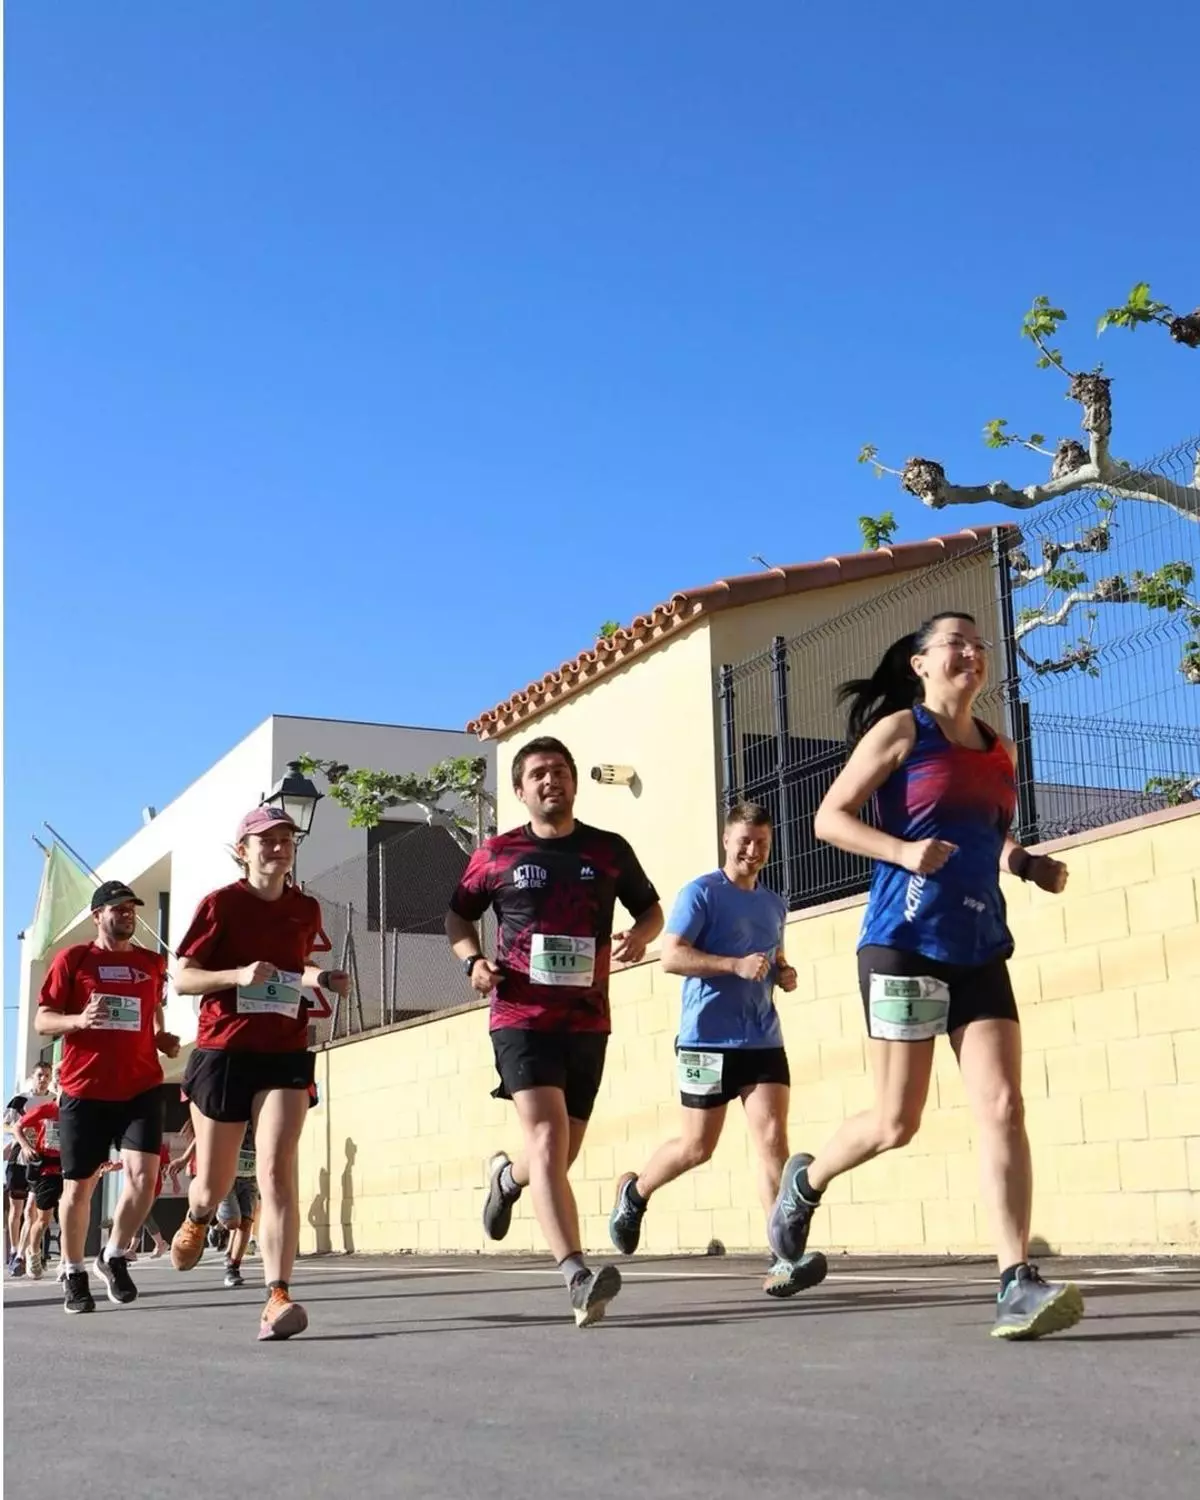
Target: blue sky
[[448, 332]]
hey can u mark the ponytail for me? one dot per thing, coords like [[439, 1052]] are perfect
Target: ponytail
[[893, 685]]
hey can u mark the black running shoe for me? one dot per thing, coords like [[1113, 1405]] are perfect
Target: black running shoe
[[497, 1210], [233, 1276], [787, 1227], [591, 1292], [625, 1221], [78, 1298], [1031, 1308], [787, 1277], [117, 1280]]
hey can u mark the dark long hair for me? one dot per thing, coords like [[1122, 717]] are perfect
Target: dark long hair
[[893, 684]]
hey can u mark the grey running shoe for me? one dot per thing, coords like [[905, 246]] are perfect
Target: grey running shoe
[[117, 1281], [497, 1210], [787, 1277], [1031, 1308], [591, 1292], [33, 1265], [625, 1221], [787, 1228], [78, 1297], [233, 1276]]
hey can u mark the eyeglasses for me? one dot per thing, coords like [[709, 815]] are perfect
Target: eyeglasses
[[961, 643]]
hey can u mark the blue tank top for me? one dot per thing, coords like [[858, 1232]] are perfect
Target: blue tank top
[[967, 797]]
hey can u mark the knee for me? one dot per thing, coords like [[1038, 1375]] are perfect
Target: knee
[[1002, 1110], [896, 1129], [698, 1150], [547, 1145], [276, 1177], [245, 1225]]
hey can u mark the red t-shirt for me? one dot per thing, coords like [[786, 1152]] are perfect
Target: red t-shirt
[[116, 1059], [234, 927], [42, 1124]]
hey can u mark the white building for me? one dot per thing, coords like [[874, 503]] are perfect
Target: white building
[[183, 852]]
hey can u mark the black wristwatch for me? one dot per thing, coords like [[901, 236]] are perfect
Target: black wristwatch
[[469, 963]]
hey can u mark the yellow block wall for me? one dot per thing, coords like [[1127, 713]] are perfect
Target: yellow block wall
[[1108, 980]]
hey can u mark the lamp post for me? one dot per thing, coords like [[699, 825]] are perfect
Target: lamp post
[[295, 795]]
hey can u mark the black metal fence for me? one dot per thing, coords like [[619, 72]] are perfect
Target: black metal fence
[[1095, 612]]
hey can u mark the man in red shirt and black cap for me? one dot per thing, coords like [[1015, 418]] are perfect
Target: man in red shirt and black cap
[[105, 999]]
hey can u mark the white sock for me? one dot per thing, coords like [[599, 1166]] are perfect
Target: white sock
[[113, 1249], [73, 1266]]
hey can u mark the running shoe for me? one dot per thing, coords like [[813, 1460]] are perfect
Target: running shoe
[[233, 1276], [625, 1221], [1031, 1308], [787, 1277], [281, 1318], [218, 1235], [591, 1292], [498, 1207], [16, 1266], [33, 1265], [188, 1244], [114, 1272], [787, 1227], [78, 1297]]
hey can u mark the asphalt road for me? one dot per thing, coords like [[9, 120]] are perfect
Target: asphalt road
[[439, 1379]]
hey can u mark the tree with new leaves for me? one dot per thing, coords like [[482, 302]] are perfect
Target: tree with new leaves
[[366, 795], [1074, 466], [877, 531]]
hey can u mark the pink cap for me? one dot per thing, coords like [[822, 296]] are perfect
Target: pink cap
[[260, 820]]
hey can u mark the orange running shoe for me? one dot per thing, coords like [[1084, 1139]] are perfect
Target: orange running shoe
[[188, 1245], [281, 1318]]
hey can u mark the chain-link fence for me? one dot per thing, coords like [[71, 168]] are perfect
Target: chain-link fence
[[383, 915], [1095, 614]]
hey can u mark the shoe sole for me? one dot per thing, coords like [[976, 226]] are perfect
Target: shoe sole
[[35, 1275], [496, 1224], [604, 1288], [286, 1326], [73, 1312], [180, 1263], [1054, 1316], [109, 1289], [811, 1270], [628, 1247], [777, 1224]]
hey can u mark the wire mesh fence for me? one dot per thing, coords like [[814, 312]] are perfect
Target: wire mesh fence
[[1093, 609], [383, 915]]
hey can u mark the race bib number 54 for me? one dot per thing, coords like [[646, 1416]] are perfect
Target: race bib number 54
[[700, 1073], [906, 1009]]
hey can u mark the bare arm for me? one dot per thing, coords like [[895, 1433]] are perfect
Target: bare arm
[[464, 944], [881, 751], [191, 979], [630, 947], [50, 1022], [26, 1141], [680, 957], [1049, 874]]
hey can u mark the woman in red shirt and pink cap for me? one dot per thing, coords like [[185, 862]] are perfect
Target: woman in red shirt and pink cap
[[246, 955]]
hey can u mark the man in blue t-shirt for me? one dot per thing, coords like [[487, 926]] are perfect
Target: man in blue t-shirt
[[725, 936]]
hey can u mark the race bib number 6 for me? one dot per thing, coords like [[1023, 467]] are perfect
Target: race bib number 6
[[903, 1009], [562, 960], [278, 997]]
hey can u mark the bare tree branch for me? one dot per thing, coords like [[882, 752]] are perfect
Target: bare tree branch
[[927, 480]]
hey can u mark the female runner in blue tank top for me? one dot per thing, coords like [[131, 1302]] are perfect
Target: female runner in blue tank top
[[934, 943]]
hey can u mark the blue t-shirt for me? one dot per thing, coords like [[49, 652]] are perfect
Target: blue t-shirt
[[718, 917]]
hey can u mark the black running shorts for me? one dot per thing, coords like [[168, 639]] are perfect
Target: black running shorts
[[572, 1061], [16, 1182], [223, 1084], [937, 998], [89, 1128], [46, 1187], [710, 1077]]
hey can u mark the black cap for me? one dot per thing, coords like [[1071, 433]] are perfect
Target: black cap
[[113, 893]]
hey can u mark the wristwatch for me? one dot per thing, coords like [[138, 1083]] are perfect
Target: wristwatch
[[469, 963]]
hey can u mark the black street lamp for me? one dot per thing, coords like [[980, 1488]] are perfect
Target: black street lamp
[[295, 795]]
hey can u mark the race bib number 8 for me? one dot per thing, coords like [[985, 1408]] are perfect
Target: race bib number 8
[[903, 1009], [700, 1073], [121, 1013], [278, 997], [562, 960]]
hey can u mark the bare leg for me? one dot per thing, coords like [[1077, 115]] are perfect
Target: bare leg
[[766, 1106], [217, 1146], [700, 1130], [902, 1071], [520, 1162], [74, 1211], [137, 1196], [279, 1116], [546, 1156], [989, 1056]]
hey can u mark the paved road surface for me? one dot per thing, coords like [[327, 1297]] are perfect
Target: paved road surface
[[456, 1378]]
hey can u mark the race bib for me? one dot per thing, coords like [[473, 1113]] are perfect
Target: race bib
[[700, 1073], [50, 1140], [562, 960], [246, 1163], [278, 997], [121, 1013], [903, 1009]]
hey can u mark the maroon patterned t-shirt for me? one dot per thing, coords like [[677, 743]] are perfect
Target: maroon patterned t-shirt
[[554, 902]]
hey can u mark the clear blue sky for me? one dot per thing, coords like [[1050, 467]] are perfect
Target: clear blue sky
[[450, 331]]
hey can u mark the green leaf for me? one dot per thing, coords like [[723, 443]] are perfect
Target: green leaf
[[994, 435], [867, 453], [1037, 438]]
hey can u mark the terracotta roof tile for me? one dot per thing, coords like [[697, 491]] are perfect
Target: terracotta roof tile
[[682, 609]]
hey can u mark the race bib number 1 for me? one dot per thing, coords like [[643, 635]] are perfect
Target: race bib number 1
[[562, 960], [121, 1013], [903, 1009], [278, 997], [700, 1073]]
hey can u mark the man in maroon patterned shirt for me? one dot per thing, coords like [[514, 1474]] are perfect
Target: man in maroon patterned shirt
[[553, 884]]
